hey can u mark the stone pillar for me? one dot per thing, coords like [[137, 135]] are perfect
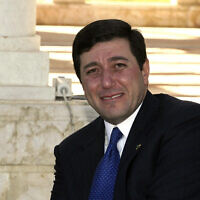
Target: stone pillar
[[23, 67]]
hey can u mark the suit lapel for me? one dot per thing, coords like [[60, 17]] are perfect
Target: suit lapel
[[136, 141]]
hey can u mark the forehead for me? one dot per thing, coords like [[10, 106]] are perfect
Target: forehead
[[116, 47]]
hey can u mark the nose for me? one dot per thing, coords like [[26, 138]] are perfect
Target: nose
[[107, 79]]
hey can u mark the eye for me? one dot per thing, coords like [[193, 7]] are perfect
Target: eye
[[120, 65], [91, 71]]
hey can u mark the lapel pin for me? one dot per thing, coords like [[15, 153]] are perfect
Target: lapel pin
[[138, 146]]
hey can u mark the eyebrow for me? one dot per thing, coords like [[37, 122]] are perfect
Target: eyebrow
[[91, 64], [114, 58]]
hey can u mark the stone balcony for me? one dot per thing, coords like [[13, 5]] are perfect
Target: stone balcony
[[182, 13]]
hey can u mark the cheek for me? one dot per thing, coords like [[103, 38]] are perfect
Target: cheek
[[133, 82], [130, 77], [89, 87]]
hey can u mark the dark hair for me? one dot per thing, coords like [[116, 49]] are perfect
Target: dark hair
[[106, 30]]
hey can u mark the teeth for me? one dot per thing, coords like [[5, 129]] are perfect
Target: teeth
[[107, 98], [115, 96]]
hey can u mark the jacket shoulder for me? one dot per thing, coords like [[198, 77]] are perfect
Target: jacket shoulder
[[174, 104], [175, 110], [81, 136]]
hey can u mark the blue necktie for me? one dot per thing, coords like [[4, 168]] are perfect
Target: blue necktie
[[104, 179]]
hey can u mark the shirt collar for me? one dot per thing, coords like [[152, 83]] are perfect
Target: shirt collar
[[124, 126]]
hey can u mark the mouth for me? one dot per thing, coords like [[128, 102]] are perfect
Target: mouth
[[112, 97]]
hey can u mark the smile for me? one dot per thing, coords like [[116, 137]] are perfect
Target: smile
[[111, 97]]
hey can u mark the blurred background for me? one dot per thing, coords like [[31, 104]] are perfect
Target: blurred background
[[170, 27]]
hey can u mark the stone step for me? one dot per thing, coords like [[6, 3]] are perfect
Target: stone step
[[174, 58], [174, 68], [175, 79]]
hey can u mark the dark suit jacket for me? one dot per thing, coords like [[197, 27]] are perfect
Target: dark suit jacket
[[160, 161]]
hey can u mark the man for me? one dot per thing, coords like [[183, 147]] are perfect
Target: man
[[156, 156]]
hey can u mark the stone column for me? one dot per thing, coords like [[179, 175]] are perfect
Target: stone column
[[23, 67]]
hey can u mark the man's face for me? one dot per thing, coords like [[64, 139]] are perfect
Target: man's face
[[112, 80]]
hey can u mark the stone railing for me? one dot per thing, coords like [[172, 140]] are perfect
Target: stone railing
[[28, 133]]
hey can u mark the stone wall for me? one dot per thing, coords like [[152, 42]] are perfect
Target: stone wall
[[28, 133], [186, 13]]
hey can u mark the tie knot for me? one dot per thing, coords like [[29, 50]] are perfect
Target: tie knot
[[115, 136]]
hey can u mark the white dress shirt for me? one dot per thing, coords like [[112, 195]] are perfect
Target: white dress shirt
[[124, 127]]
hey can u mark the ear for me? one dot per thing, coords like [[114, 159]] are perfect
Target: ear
[[146, 71]]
